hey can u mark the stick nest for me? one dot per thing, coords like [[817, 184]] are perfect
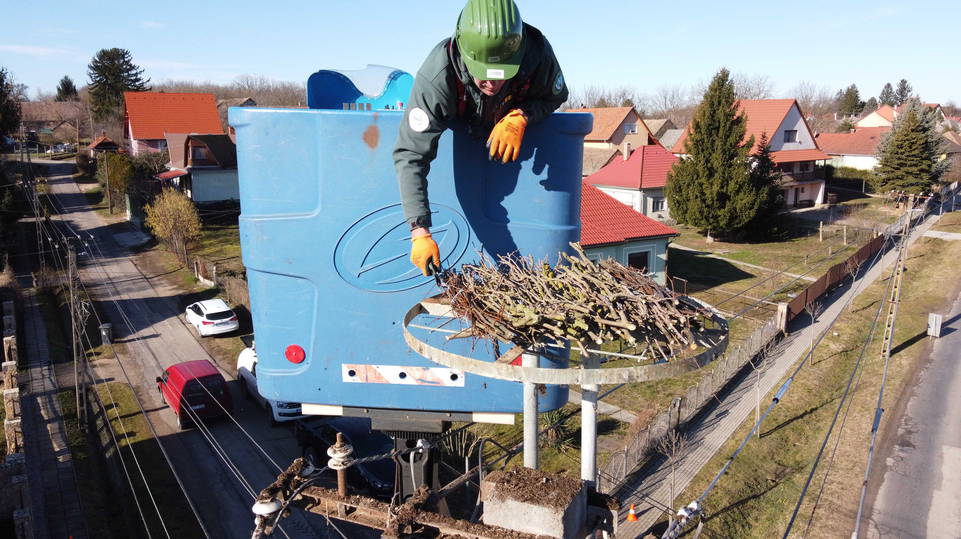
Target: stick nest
[[528, 303]]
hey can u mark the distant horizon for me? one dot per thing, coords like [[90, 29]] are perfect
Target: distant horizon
[[644, 48]]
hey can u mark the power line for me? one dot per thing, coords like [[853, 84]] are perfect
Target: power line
[[146, 418], [867, 342], [677, 525], [893, 302], [59, 264]]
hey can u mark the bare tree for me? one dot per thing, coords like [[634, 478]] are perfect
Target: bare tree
[[816, 104], [598, 96], [753, 86], [814, 309], [672, 445]]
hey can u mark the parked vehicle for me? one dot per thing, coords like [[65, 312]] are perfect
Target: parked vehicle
[[375, 478], [194, 389], [277, 411], [212, 317]]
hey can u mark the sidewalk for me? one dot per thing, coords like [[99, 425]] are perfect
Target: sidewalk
[[55, 505], [649, 489]]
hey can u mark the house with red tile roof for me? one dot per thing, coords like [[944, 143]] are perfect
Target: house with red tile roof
[[610, 229], [857, 148], [885, 115], [793, 147], [102, 144], [614, 126], [638, 180], [148, 116]]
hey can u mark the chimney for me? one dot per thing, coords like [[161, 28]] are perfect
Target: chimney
[[626, 150]]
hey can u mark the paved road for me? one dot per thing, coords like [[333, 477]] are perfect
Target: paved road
[[649, 488], [921, 486], [222, 469]]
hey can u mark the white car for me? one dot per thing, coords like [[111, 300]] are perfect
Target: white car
[[277, 411], [212, 317]]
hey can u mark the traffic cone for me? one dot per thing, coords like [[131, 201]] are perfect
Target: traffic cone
[[631, 515]]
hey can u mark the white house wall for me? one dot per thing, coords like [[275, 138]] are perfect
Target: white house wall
[[874, 120], [860, 162], [213, 185], [792, 121], [629, 197], [656, 247]]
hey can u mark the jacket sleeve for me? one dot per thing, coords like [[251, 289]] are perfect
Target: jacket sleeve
[[548, 89], [428, 113]]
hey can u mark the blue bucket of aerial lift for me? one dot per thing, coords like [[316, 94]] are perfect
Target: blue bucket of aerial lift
[[326, 249]]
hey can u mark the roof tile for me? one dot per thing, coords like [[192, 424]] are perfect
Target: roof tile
[[862, 141], [604, 220], [763, 116], [151, 114], [647, 168], [606, 120]]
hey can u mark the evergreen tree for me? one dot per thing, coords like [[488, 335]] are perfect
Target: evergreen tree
[[9, 104], [66, 90], [887, 96], [713, 189], [112, 72], [903, 93], [909, 157], [849, 101], [871, 105], [765, 178]]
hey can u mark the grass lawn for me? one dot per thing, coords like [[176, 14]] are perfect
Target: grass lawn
[[102, 514], [756, 497], [58, 334], [562, 454], [949, 222], [134, 437]]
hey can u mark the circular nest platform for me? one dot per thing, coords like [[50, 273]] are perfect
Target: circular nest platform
[[438, 316]]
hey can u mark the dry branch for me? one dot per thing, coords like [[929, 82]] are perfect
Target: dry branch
[[527, 303]]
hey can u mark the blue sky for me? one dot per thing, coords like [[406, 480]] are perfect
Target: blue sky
[[643, 45]]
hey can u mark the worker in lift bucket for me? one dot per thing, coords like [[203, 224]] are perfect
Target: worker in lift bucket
[[497, 74]]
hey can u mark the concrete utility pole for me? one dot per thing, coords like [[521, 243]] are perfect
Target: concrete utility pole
[[71, 282], [589, 423], [530, 415], [893, 301]]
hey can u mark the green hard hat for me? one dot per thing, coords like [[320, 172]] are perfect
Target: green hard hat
[[490, 37]]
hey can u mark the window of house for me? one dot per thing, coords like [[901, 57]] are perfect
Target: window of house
[[806, 166], [639, 260], [657, 204], [630, 129], [198, 153], [790, 135]]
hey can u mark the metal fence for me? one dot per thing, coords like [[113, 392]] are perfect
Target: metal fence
[[233, 286], [642, 442]]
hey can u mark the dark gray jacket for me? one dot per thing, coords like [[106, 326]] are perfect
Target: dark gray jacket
[[437, 98]]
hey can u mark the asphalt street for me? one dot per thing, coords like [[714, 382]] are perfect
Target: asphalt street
[[223, 466], [920, 494]]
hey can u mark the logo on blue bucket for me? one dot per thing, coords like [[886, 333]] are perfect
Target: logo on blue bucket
[[374, 253]]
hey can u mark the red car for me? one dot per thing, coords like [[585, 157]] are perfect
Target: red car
[[195, 389]]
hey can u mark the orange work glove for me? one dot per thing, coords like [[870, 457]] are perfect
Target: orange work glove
[[506, 137], [423, 251]]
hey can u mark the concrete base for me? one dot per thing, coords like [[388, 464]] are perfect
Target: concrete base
[[550, 514]]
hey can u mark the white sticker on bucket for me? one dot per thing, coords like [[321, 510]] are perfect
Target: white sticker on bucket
[[418, 120], [400, 375], [495, 74]]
